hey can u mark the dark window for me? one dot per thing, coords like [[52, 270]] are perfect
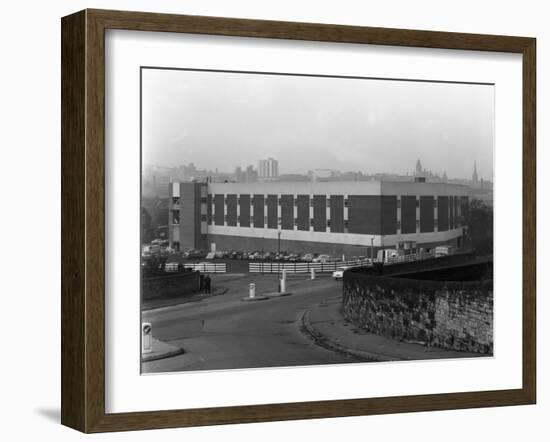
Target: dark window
[[337, 213], [408, 214], [388, 206], [219, 209], [302, 212], [231, 206], [287, 212], [271, 203], [319, 213], [427, 214], [442, 213], [259, 208], [244, 205]]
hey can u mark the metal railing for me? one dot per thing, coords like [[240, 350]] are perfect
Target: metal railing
[[303, 267], [203, 267]]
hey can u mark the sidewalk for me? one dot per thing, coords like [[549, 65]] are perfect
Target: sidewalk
[[326, 325], [151, 304], [161, 350]]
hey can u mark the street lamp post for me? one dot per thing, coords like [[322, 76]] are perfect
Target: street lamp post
[[279, 256]]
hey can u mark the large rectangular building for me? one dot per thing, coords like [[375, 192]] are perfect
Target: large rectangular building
[[322, 217]]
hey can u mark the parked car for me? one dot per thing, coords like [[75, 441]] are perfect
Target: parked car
[[253, 256], [308, 257], [338, 274], [150, 250], [196, 254], [294, 257], [322, 258]]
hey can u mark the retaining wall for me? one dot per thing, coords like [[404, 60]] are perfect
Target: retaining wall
[[453, 315], [171, 285]]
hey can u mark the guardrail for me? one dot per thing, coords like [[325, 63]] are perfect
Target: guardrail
[[302, 267], [305, 267], [203, 267]]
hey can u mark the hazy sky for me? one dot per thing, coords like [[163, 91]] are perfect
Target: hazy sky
[[223, 120]]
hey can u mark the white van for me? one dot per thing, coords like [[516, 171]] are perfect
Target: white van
[[386, 255], [444, 251]]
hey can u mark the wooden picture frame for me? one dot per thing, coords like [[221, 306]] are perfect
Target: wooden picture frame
[[83, 220]]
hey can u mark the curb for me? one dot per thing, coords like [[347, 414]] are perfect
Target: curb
[[325, 342], [199, 297], [278, 294], [256, 298], [151, 357]]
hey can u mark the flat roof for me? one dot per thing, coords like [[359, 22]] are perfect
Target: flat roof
[[341, 188]]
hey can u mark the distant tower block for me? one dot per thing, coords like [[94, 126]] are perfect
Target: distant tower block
[[268, 169]]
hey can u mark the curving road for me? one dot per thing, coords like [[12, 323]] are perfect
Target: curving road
[[223, 332]]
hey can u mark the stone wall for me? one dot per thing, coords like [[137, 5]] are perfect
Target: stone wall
[[170, 285], [453, 315]]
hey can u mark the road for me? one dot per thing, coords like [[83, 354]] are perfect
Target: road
[[224, 332]]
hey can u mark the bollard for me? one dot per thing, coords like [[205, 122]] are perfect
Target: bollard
[[252, 290], [146, 337], [312, 273], [283, 285], [284, 274]]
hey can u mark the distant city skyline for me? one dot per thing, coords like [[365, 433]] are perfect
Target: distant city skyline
[[242, 169], [228, 120]]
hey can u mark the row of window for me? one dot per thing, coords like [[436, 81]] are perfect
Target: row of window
[[176, 200], [459, 221], [312, 201]]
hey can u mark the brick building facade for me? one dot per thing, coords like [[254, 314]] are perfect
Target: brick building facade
[[322, 217]]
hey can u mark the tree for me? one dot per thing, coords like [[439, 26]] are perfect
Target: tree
[[480, 226], [153, 266]]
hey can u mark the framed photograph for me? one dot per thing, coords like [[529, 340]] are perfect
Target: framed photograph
[[267, 220]]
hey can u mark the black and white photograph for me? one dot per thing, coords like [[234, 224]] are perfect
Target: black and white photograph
[[304, 219]]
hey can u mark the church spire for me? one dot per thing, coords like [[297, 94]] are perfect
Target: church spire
[[418, 169], [474, 174]]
